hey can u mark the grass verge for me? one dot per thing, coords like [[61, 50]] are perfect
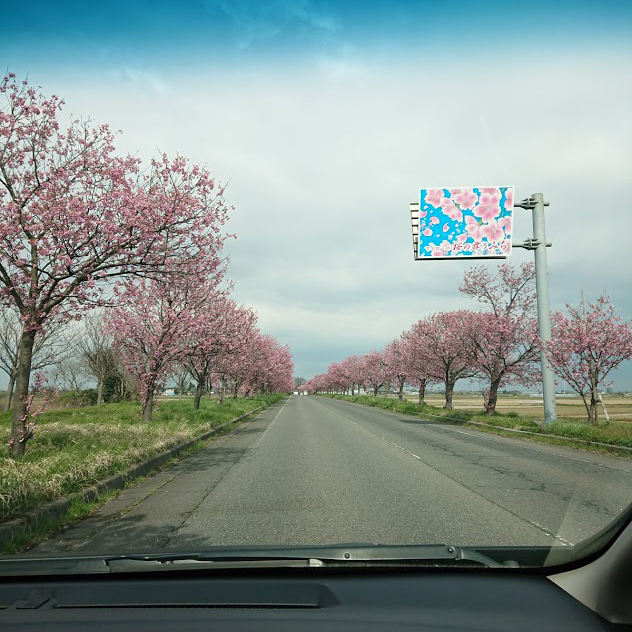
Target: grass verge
[[616, 434], [75, 448], [79, 509]]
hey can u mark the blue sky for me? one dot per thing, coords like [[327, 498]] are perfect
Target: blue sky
[[224, 31], [326, 118]]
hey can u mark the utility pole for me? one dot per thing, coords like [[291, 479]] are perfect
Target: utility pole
[[538, 244]]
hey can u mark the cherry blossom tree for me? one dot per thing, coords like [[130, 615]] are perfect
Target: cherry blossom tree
[[504, 341], [266, 367], [346, 375], [447, 346], [155, 326], [510, 291], [504, 349], [417, 358], [224, 331], [74, 216], [586, 345], [376, 370], [397, 365]]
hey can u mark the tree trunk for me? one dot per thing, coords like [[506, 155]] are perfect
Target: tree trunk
[[449, 393], [594, 398], [199, 389], [400, 395], [148, 405], [9, 395], [100, 391], [352, 390], [375, 390], [222, 386], [422, 391], [19, 436], [492, 396]]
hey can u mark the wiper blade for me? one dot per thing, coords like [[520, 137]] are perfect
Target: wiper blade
[[364, 555], [338, 556]]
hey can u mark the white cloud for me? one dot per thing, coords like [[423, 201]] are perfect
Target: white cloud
[[323, 160]]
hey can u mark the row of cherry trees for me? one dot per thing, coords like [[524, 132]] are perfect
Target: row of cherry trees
[[82, 226], [498, 345]]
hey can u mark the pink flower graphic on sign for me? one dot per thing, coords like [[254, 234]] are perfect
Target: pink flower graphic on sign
[[492, 231], [505, 223], [473, 228], [466, 199], [494, 192], [433, 196], [452, 211], [474, 222], [488, 208]]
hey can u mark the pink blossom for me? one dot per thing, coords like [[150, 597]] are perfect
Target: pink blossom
[[433, 221], [487, 208], [586, 345], [433, 197], [466, 199], [427, 232], [493, 192], [438, 253], [492, 231], [473, 228], [461, 238], [509, 198], [452, 211], [505, 223], [446, 228], [423, 214]]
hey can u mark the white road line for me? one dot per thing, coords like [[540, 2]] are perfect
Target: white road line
[[526, 447], [546, 531], [265, 432], [527, 520]]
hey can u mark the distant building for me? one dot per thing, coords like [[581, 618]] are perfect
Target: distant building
[[169, 391]]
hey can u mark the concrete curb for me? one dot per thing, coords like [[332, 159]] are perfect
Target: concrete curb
[[28, 522]]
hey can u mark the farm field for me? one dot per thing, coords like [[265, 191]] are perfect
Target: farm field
[[619, 407]]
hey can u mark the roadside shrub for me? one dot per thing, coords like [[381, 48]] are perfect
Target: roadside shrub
[[77, 399]]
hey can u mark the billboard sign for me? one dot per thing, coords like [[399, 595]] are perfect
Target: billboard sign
[[465, 222]]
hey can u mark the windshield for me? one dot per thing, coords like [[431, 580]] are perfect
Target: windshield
[[350, 280]]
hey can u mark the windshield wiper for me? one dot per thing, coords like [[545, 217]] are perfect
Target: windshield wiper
[[353, 555], [339, 556]]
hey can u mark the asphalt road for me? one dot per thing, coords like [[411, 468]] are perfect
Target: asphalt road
[[318, 471]]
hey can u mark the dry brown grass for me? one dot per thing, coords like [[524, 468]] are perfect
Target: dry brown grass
[[619, 407]]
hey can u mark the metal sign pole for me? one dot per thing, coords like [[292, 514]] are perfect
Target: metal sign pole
[[539, 244]]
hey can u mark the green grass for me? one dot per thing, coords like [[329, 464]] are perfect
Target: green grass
[[612, 433], [74, 448]]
